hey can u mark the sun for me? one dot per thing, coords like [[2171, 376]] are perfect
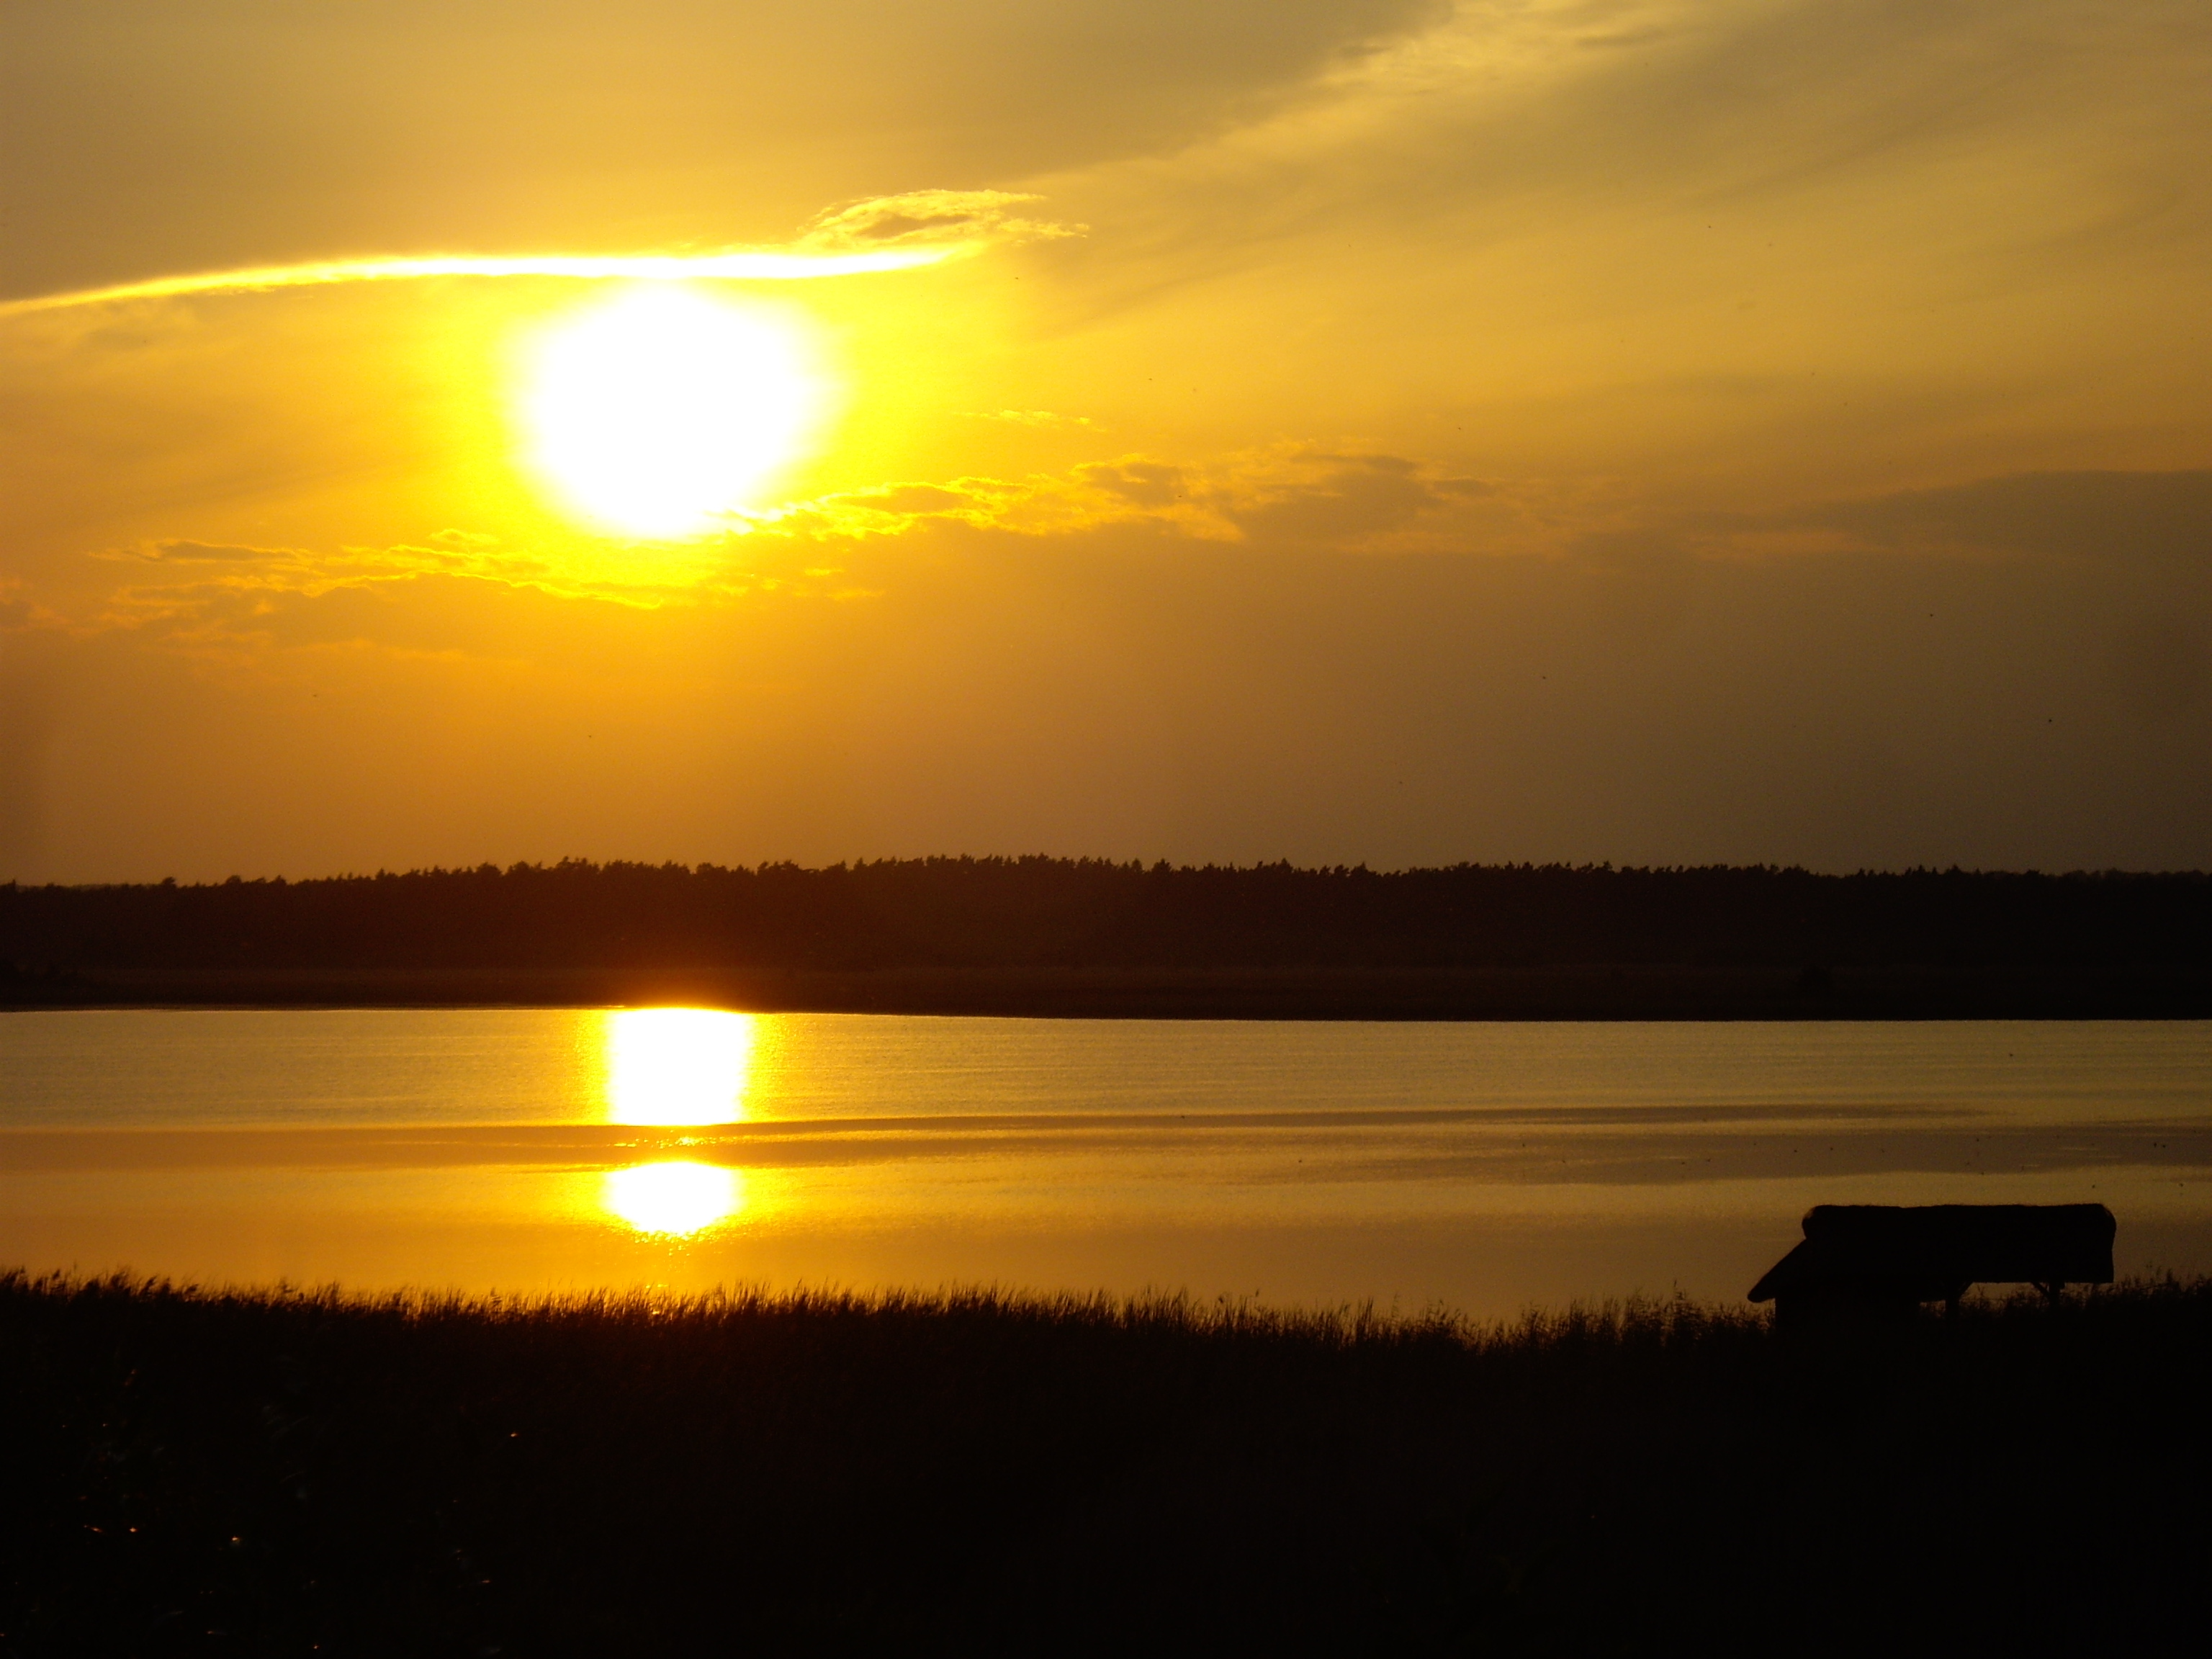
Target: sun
[[656, 411]]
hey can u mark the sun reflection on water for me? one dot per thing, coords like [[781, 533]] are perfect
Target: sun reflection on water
[[677, 1067], [673, 1199]]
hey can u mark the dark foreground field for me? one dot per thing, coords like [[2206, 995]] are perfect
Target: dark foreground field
[[281, 1475]]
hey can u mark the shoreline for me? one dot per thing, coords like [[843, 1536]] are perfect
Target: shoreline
[[1567, 992]]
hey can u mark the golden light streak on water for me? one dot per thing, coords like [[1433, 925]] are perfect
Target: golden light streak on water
[[673, 1199], [678, 1066]]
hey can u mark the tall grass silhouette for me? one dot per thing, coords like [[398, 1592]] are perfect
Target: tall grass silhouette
[[209, 1470]]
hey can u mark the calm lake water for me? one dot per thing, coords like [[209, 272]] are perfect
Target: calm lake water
[[1486, 1166]]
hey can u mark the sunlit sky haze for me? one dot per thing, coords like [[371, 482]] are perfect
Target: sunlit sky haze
[[1387, 430]]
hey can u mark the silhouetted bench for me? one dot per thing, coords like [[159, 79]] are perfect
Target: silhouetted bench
[[1880, 1261]]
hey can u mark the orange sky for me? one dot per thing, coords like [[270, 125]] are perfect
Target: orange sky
[[1384, 430]]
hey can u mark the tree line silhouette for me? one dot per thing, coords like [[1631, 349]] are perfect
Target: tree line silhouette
[[1060, 913]]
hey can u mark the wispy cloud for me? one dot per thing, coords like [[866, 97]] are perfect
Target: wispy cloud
[[1283, 498], [1039, 420], [940, 223], [1288, 495], [890, 233]]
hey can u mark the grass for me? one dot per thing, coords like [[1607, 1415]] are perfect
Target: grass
[[279, 1472]]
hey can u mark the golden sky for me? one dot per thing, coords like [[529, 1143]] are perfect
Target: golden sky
[[1386, 430]]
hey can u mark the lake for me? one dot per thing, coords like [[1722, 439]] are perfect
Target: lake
[[1483, 1165]]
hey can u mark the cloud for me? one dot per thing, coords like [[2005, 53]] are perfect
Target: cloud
[[217, 596], [247, 136], [933, 221], [1321, 652], [2130, 516], [927, 246], [1037, 420], [1131, 685], [232, 601], [296, 568], [1287, 495], [1497, 115], [1749, 428], [1778, 247], [2160, 668], [27, 734], [205, 594], [207, 556], [1641, 568]]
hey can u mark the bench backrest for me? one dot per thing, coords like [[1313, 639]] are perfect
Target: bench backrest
[[1999, 1243]]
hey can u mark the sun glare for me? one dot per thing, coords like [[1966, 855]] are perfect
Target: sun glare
[[673, 1199], [677, 1067], [653, 412]]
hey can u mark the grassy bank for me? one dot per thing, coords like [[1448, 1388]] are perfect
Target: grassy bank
[[265, 1473]]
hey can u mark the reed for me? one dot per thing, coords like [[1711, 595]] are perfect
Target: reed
[[212, 1469]]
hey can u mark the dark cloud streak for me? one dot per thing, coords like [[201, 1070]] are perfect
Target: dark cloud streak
[[2122, 516]]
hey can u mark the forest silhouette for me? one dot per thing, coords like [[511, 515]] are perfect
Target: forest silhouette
[[990, 935], [1066, 912]]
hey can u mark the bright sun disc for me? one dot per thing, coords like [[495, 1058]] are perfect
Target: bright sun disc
[[653, 412]]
